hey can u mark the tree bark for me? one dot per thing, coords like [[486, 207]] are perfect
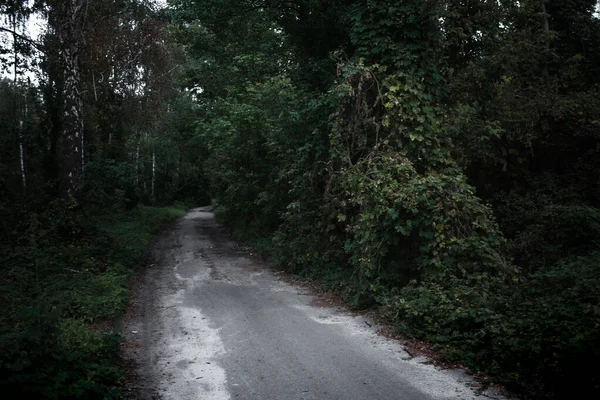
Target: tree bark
[[70, 32], [22, 116], [153, 173], [137, 163], [546, 29], [21, 149]]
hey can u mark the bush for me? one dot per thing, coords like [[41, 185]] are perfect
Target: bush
[[539, 334], [68, 272]]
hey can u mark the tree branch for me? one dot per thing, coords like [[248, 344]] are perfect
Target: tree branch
[[35, 44]]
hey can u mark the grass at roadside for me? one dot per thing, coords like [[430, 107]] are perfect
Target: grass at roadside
[[56, 283]]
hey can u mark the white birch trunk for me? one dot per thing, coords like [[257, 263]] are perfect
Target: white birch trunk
[[153, 173], [72, 13], [22, 116], [21, 149], [546, 29], [137, 162]]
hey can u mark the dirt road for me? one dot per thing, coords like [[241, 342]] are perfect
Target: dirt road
[[210, 322]]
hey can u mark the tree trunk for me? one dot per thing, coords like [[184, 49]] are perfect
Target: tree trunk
[[546, 29], [22, 116], [137, 163], [153, 174], [21, 150], [70, 32]]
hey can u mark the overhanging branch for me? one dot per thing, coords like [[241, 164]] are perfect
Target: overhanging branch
[[35, 44]]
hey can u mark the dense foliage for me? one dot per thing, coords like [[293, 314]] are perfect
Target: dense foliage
[[437, 158], [68, 272], [79, 207]]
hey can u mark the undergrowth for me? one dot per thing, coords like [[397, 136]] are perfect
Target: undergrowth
[[63, 272], [537, 334]]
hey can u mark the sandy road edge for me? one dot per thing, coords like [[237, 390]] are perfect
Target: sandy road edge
[[138, 384]]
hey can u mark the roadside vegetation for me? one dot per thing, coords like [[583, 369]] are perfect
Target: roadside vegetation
[[62, 286], [90, 170], [438, 159]]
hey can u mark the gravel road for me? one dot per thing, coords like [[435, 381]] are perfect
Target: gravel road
[[210, 322]]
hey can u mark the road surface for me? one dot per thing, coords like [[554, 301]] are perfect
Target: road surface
[[210, 322]]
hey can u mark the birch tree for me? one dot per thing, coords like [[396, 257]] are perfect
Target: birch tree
[[71, 21], [22, 114]]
